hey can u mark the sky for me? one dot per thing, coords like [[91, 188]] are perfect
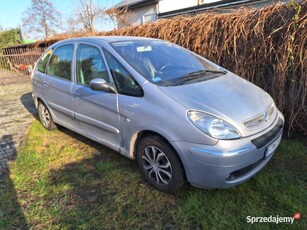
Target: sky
[[11, 10]]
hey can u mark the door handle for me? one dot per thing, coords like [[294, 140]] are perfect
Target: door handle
[[46, 83], [76, 94]]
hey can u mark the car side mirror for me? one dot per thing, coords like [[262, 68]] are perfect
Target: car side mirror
[[100, 84]]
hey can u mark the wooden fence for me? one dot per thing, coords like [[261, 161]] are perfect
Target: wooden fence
[[19, 60]]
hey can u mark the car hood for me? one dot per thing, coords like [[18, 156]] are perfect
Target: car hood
[[229, 97]]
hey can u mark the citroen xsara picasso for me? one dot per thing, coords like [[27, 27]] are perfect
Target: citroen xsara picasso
[[179, 115]]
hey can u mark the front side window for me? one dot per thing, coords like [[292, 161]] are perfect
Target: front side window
[[164, 63], [90, 65], [124, 81], [60, 62], [41, 67]]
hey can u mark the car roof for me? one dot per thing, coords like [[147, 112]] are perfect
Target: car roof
[[108, 39]]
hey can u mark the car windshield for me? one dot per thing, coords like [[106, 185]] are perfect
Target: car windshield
[[164, 63]]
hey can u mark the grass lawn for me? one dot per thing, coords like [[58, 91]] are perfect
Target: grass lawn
[[61, 180]]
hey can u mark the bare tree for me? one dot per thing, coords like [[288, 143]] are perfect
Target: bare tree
[[119, 15], [87, 13], [73, 26], [41, 18]]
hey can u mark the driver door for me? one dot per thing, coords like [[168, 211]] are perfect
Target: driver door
[[96, 111]]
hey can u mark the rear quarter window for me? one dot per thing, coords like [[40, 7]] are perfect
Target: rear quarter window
[[41, 66]]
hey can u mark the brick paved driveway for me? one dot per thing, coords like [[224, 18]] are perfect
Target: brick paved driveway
[[10, 77], [16, 115]]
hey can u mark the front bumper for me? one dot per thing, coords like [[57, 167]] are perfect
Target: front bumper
[[229, 162]]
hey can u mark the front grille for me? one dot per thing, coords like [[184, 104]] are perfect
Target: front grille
[[260, 119], [261, 141]]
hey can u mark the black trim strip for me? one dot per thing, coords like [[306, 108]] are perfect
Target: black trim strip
[[261, 141], [243, 171]]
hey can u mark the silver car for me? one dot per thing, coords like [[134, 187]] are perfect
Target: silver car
[[182, 117]]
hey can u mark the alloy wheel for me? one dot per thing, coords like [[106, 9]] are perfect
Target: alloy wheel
[[157, 165], [44, 115]]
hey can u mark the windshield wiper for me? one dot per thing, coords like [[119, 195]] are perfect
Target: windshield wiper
[[197, 74]]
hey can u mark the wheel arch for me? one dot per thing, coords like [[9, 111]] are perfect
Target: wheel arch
[[39, 99], [137, 137]]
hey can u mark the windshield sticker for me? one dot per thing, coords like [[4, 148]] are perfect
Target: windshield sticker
[[143, 48], [156, 79]]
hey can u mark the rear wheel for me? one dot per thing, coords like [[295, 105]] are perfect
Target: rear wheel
[[45, 116], [159, 164]]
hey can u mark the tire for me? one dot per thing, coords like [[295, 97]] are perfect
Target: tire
[[159, 164], [45, 116]]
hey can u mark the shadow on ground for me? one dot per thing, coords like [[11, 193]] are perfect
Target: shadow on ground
[[11, 215], [95, 185], [28, 103]]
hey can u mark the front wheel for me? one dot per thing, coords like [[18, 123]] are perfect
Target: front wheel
[[159, 164], [45, 116]]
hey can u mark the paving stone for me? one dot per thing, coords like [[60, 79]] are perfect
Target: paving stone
[[16, 115]]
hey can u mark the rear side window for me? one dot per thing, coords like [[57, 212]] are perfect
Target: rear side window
[[60, 62], [41, 67], [90, 65]]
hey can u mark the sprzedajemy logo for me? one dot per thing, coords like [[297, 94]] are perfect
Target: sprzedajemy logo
[[273, 219]]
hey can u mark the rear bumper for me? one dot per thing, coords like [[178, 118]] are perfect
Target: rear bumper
[[35, 100], [230, 162]]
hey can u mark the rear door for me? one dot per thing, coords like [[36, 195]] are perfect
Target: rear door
[[57, 85], [40, 79], [97, 111]]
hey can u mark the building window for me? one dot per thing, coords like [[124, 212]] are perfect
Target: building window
[[149, 18]]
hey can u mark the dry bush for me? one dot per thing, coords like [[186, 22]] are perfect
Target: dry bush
[[267, 47]]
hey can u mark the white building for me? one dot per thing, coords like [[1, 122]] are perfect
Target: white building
[[143, 11]]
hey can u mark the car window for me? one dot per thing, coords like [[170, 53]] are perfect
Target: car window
[[124, 81], [164, 63], [60, 62], [41, 67], [90, 65]]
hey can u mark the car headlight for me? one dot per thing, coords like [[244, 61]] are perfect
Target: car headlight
[[213, 126]]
